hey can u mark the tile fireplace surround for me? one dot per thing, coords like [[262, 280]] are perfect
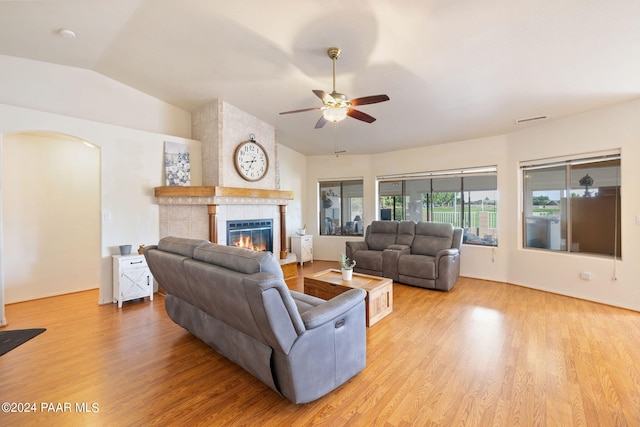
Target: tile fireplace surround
[[202, 212]]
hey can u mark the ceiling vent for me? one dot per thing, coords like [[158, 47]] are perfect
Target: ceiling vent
[[531, 119]]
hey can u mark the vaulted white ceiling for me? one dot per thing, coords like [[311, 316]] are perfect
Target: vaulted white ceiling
[[454, 69]]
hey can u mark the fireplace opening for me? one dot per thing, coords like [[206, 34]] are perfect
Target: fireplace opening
[[254, 234]]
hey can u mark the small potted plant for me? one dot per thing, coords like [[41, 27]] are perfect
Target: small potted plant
[[346, 266]]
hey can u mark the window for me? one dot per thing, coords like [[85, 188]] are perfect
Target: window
[[391, 200], [465, 199], [573, 205], [341, 208]]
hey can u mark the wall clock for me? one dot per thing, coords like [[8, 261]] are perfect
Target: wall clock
[[251, 160]]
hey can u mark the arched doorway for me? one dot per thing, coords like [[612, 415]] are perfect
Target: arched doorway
[[51, 236]]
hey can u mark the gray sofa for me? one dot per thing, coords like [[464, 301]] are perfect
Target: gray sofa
[[237, 302], [425, 254]]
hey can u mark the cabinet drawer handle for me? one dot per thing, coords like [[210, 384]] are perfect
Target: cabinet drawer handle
[[136, 262], [339, 323]]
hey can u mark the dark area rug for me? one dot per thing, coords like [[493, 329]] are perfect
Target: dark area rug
[[12, 339]]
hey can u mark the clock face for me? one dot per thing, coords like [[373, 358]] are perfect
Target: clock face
[[251, 161]]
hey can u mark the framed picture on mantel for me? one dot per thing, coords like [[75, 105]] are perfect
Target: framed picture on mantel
[[177, 169]]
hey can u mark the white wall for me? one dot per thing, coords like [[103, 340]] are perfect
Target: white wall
[[128, 126], [131, 167], [616, 126], [51, 216], [292, 172], [332, 167], [87, 95]]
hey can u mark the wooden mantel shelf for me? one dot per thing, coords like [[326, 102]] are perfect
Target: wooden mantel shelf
[[215, 191]]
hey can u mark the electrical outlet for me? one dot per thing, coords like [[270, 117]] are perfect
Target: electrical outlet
[[585, 275]]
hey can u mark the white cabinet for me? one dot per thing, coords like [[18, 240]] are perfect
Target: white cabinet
[[132, 278], [302, 246]]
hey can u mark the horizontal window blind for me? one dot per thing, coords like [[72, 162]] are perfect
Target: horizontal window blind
[[484, 170], [574, 160]]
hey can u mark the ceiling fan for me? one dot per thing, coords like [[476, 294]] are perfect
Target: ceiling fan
[[336, 106]]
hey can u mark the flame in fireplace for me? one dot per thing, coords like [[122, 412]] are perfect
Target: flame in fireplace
[[245, 242], [255, 234]]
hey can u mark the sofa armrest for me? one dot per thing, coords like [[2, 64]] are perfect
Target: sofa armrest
[[441, 258], [355, 246], [447, 268], [332, 309], [148, 248], [446, 252]]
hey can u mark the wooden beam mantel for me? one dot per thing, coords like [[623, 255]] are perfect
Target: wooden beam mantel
[[216, 191]]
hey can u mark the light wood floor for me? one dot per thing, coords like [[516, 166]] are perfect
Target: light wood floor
[[484, 354]]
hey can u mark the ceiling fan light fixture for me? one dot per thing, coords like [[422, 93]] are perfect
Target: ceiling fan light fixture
[[335, 114], [336, 106]]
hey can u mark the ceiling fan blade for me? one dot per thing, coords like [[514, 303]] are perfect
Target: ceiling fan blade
[[300, 111], [360, 116], [369, 100], [326, 98], [321, 122]]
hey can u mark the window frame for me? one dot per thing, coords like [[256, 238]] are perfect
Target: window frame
[[443, 180], [569, 222], [346, 225]]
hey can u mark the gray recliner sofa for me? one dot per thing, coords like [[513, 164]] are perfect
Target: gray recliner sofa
[[425, 254], [237, 302]]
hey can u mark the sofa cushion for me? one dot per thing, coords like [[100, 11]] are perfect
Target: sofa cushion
[[431, 238], [406, 233], [168, 271], [381, 234], [238, 259], [417, 266], [369, 260], [180, 245]]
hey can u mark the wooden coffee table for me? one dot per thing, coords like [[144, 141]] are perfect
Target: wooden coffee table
[[327, 284]]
